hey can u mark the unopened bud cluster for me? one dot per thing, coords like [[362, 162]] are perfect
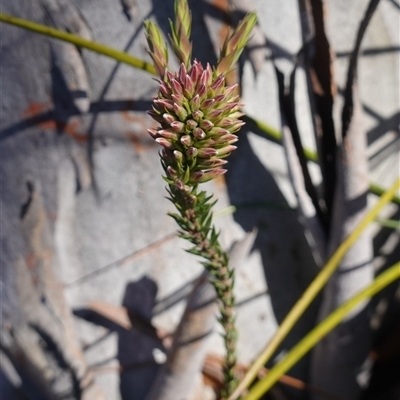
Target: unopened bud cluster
[[198, 116]]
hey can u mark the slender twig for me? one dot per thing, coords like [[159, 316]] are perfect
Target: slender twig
[[79, 41], [312, 291]]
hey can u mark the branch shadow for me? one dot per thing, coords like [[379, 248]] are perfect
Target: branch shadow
[[285, 255], [135, 346]]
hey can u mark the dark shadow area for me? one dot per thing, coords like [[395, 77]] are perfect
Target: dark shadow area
[[287, 264], [135, 346]]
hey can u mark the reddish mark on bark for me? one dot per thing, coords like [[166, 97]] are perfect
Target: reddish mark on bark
[[71, 128], [30, 261]]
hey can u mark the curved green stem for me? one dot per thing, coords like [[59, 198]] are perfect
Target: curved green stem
[[321, 330], [79, 41], [312, 291]]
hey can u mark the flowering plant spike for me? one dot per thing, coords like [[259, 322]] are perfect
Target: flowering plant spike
[[198, 116]]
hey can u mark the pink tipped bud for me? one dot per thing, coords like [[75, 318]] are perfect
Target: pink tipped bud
[[231, 90], [234, 128], [191, 152], [180, 112], [202, 91], [195, 103], [168, 134], [227, 122], [153, 133], [189, 86], [205, 78], [215, 114], [206, 124], [182, 72], [214, 162], [176, 87], [169, 75], [218, 131], [219, 99], [186, 140], [205, 176], [178, 126], [207, 152], [228, 139], [191, 124], [155, 115], [165, 90], [177, 98], [163, 103], [207, 104], [218, 83], [179, 185], [165, 143], [168, 118], [178, 155], [197, 115], [195, 71], [171, 173], [226, 150], [199, 134]]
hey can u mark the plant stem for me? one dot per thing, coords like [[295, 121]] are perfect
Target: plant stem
[[312, 291], [195, 221], [79, 41], [321, 330]]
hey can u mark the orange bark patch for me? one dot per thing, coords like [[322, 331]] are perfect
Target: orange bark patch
[[71, 128]]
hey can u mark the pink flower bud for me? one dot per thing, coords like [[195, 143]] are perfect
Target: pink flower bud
[[206, 124], [155, 115], [226, 150], [214, 162], [191, 124], [168, 118], [191, 152], [177, 98], [213, 114], [207, 152], [186, 140], [207, 104], [195, 71], [168, 134], [171, 172], [202, 91], [199, 134], [176, 87], [182, 72], [228, 139], [189, 86], [178, 155], [230, 90], [218, 83], [153, 133], [165, 90], [197, 115], [205, 176], [166, 104], [178, 126], [165, 143], [180, 112], [195, 103]]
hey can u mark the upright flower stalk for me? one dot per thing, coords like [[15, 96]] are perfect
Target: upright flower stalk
[[198, 116]]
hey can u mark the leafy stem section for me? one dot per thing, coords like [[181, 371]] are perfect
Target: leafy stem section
[[195, 221]]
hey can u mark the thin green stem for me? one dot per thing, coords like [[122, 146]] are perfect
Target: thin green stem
[[321, 330], [312, 291], [79, 41]]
